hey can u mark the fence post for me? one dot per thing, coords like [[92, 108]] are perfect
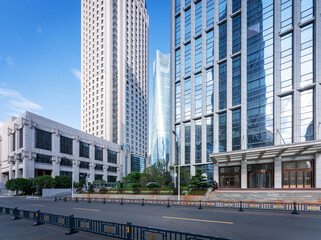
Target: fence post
[[55, 199], [71, 225], [89, 200], [200, 207], [65, 199], [104, 202], [38, 222], [129, 230], [76, 200], [168, 204], [143, 204], [241, 207], [121, 201], [294, 209], [15, 214]]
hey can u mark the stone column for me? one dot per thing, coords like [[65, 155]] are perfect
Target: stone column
[[55, 166], [55, 142], [17, 175], [75, 170], [244, 174], [92, 172], [318, 170], [11, 176], [277, 172], [216, 175], [105, 177]]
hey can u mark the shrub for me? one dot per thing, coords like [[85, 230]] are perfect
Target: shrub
[[63, 182], [120, 190], [155, 191], [136, 190], [103, 191], [175, 191], [91, 189], [79, 190]]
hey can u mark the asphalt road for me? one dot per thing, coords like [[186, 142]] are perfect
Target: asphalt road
[[228, 223]]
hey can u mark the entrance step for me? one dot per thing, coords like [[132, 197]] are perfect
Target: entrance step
[[299, 196]]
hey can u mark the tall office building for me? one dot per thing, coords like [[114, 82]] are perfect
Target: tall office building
[[161, 109], [246, 91], [114, 70]]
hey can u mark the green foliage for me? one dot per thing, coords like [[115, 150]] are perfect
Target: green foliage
[[63, 182], [103, 190], [91, 188], [80, 184], [152, 185], [120, 190], [155, 191], [133, 177], [143, 181], [160, 180], [199, 180], [45, 181], [99, 183], [20, 184], [136, 190]]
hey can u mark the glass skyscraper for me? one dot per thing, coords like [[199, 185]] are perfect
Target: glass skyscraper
[[161, 109], [246, 91]]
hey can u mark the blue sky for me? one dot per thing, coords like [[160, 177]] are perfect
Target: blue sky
[[40, 56]]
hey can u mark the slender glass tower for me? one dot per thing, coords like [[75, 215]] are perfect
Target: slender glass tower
[[161, 108]]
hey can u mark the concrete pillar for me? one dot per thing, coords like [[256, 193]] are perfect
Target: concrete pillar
[[17, 175], [75, 170], [244, 174], [277, 172], [55, 142], [11, 176], [55, 167], [105, 176], [92, 172], [216, 175], [317, 170]]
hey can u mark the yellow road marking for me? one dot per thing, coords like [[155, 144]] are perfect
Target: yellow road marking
[[198, 220], [37, 205], [87, 209]]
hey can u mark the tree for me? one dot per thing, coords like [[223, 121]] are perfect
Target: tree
[[133, 177], [143, 181], [63, 182], [45, 181], [199, 180], [20, 184]]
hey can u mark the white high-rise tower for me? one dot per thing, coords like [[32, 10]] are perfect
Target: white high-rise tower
[[114, 70]]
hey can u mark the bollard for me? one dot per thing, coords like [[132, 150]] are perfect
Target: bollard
[[294, 209], [200, 207], [104, 202], [71, 225], [15, 214], [143, 204], [55, 199], [38, 222], [89, 201], [168, 204], [76, 199], [121, 201], [241, 207], [129, 230], [65, 199]]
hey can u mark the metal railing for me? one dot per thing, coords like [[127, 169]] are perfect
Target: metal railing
[[112, 229], [302, 207]]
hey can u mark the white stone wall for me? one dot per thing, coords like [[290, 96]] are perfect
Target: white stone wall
[[21, 162]]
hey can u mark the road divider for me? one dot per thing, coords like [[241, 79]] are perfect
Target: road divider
[[198, 220]]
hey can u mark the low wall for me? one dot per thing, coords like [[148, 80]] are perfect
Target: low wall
[[51, 192], [141, 196]]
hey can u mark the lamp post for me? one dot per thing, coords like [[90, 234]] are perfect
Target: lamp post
[[179, 169]]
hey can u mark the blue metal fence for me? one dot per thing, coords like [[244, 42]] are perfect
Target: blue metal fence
[[111, 229]]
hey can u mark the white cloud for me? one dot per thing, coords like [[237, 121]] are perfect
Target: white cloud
[[39, 29], [76, 73], [10, 62], [17, 103]]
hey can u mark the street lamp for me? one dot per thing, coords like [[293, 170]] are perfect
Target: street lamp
[[179, 169]]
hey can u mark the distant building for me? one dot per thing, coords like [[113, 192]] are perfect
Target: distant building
[[161, 109], [246, 91], [114, 72], [33, 146]]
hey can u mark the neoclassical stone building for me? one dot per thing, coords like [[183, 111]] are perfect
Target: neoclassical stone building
[[33, 146]]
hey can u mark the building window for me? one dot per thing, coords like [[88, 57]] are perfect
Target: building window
[[65, 162], [286, 119], [188, 98], [99, 167], [198, 54], [188, 59], [64, 173], [208, 169], [236, 129], [66, 145], [222, 9], [177, 10], [230, 177], [307, 55], [198, 94], [286, 62], [41, 158], [286, 14], [83, 149], [178, 64], [209, 90], [112, 169], [84, 165], [198, 141], [210, 48], [98, 177], [306, 10], [187, 143], [236, 5], [222, 132], [187, 25], [236, 34], [178, 102], [43, 140], [21, 138], [222, 85], [112, 157], [307, 126], [14, 142], [178, 31], [236, 81], [297, 174], [111, 178], [198, 18], [98, 153], [209, 137], [222, 41], [177, 143], [209, 13], [260, 175]]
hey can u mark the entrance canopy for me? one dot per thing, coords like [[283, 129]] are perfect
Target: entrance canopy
[[286, 150]]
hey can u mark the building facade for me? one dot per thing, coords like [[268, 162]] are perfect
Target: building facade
[[34, 146], [161, 109], [114, 72], [246, 91]]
